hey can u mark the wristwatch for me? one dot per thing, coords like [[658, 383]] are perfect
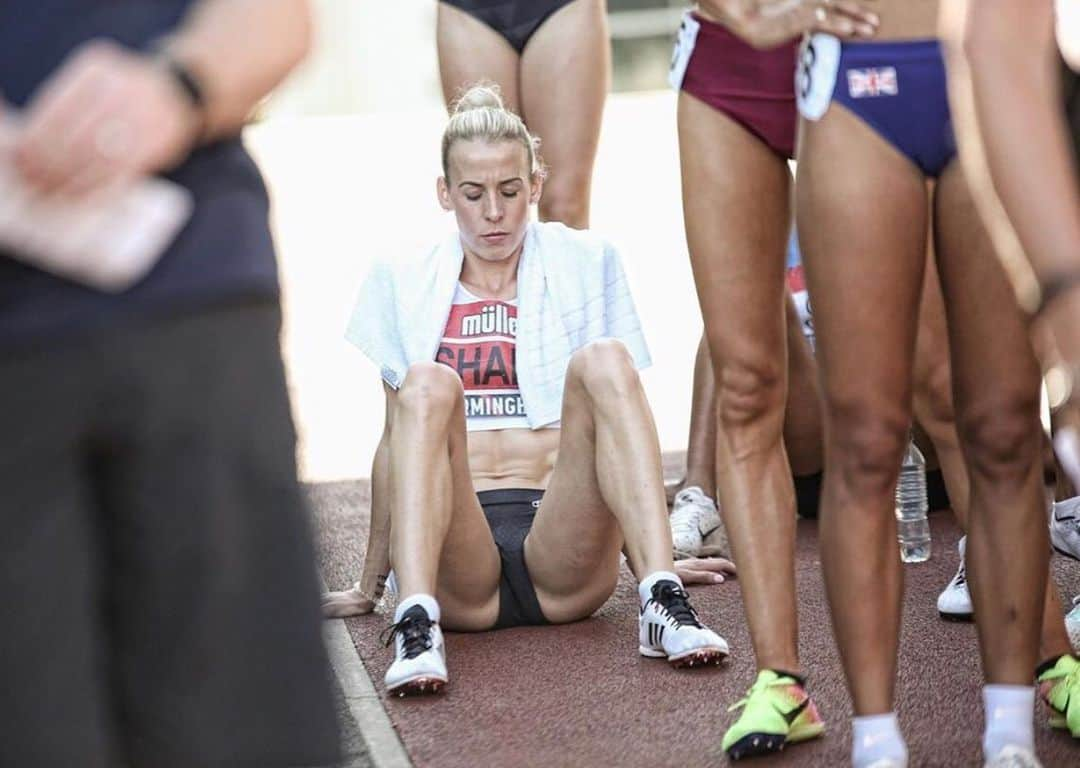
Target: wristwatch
[[187, 82]]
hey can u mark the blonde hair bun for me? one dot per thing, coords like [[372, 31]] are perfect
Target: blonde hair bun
[[479, 114], [479, 96]]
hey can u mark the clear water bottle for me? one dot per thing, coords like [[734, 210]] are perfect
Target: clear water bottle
[[912, 527]]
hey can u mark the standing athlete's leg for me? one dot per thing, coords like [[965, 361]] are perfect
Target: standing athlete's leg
[[564, 76], [738, 264], [803, 411], [701, 446], [932, 389], [996, 381], [470, 51], [693, 512], [862, 217]]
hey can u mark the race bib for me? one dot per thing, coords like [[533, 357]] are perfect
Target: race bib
[[685, 40], [815, 77]]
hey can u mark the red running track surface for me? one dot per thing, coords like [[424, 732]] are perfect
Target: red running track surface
[[580, 695]]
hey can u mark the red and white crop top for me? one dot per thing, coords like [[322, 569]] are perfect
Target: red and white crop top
[[480, 343]]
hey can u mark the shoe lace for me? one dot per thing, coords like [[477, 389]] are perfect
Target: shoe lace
[[676, 601], [760, 686], [415, 631]]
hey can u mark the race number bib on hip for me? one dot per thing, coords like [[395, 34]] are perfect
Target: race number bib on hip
[[815, 76], [685, 40]]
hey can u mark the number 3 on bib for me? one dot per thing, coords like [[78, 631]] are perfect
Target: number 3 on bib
[[684, 49]]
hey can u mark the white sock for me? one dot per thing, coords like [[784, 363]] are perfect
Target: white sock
[[876, 737], [427, 602], [1010, 710], [645, 587]]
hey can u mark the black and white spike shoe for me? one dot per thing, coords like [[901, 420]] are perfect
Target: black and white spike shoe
[[669, 629], [419, 664]]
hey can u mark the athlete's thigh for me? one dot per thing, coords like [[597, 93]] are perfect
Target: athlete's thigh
[[993, 359], [862, 218], [737, 213], [564, 82], [573, 548], [471, 51], [470, 565]]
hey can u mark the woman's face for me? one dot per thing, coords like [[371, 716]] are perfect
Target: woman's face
[[489, 189]]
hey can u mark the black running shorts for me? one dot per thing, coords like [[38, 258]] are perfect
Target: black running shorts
[[510, 514]]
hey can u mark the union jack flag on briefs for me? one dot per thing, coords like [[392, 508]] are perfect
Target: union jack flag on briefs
[[874, 81]]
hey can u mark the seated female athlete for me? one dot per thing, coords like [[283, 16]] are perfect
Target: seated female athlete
[[519, 456]]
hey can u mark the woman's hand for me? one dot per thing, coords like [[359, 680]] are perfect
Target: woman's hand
[[350, 602], [704, 570], [768, 23], [107, 114]]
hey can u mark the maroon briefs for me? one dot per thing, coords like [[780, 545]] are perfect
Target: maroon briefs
[[755, 88]]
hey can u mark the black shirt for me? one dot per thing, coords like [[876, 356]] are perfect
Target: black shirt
[[223, 253]]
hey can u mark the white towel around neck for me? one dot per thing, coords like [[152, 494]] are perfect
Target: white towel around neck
[[572, 290]]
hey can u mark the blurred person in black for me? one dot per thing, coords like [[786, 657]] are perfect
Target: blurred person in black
[[157, 585]]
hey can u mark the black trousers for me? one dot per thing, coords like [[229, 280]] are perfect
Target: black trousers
[[158, 598]]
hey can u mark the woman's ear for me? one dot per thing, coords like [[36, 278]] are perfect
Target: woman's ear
[[442, 190]]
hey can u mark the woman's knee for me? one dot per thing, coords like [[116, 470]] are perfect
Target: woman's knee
[[866, 445], [605, 368], [429, 389], [750, 392], [565, 204], [1001, 436]]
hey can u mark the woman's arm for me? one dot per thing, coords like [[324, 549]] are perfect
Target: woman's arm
[[1006, 93], [377, 559], [216, 42], [365, 593]]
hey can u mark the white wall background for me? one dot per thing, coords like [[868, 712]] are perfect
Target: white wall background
[[349, 189], [349, 147]]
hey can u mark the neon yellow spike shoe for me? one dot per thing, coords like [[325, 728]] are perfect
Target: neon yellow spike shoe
[[776, 711], [1059, 687]]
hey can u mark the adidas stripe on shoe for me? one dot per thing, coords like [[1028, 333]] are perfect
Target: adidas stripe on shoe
[[954, 602], [668, 628]]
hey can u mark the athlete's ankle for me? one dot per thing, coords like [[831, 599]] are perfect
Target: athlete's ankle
[[798, 677], [646, 584], [1009, 714], [876, 738]]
